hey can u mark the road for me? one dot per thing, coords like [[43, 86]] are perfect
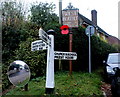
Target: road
[[19, 77]]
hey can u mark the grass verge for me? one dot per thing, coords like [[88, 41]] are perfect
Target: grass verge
[[79, 84]]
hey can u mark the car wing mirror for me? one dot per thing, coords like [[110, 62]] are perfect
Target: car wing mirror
[[104, 62]]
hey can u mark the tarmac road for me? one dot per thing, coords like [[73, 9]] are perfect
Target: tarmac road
[[19, 77]]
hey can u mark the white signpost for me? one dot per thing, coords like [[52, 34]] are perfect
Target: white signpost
[[65, 55], [51, 55], [50, 67], [38, 45], [44, 36]]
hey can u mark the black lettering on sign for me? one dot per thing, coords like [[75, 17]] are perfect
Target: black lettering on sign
[[59, 57], [69, 57], [60, 53], [41, 48], [56, 56], [39, 42], [34, 49], [43, 44], [34, 43], [44, 38], [35, 46]]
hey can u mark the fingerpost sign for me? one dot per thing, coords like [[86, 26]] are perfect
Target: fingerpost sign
[[38, 45], [48, 44]]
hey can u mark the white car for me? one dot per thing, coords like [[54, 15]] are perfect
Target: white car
[[113, 60]]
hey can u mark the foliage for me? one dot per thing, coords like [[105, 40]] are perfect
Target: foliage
[[42, 14], [99, 49], [13, 32], [18, 34], [35, 60], [80, 84], [12, 13], [117, 46]]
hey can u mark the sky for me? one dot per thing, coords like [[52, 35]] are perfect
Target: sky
[[107, 11]]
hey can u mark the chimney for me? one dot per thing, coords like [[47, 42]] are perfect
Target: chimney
[[60, 11], [94, 16]]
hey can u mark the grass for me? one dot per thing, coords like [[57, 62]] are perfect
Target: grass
[[79, 84], [23, 83]]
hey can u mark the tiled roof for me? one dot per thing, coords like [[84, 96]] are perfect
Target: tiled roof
[[102, 31], [113, 40], [86, 19]]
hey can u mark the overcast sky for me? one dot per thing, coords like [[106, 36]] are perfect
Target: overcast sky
[[107, 11]]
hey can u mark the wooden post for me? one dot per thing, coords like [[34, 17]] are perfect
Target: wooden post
[[60, 65], [70, 49]]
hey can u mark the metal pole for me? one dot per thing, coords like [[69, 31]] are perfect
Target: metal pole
[[70, 49], [90, 51]]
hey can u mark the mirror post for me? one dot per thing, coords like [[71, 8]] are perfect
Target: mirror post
[[26, 87]]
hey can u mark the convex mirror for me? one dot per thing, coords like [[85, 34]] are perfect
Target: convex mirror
[[18, 73]]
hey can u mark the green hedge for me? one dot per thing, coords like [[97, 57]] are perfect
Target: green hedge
[[37, 60]]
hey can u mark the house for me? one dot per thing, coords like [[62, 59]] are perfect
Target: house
[[113, 40], [84, 22]]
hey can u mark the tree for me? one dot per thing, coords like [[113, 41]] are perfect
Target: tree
[[35, 60], [13, 32], [42, 14], [12, 13], [99, 49]]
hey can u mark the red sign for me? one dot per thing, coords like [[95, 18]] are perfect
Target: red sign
[[64, 29]]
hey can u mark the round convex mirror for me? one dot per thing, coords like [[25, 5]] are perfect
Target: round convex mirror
[[19, 73]]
